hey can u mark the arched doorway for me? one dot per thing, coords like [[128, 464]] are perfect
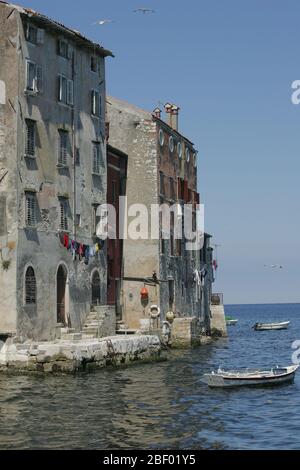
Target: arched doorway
[[62, 291], [96, 288]]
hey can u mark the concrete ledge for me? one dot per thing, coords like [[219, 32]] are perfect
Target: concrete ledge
[[68, 356], [218, 323]]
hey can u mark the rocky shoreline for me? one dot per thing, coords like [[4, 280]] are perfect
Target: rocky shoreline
[[71, 356]]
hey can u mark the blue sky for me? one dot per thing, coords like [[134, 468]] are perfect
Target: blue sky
[[229, 65]]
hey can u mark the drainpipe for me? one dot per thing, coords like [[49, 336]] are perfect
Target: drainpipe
[[74, 149]]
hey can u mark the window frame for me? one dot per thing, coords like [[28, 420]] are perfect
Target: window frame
[[65, 95], [30, 288], [63, 214], [96, 169], [62, 160], [95, 104], [32, 123], [30, 210]]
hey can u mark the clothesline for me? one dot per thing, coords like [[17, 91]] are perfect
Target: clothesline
[[80, 250]]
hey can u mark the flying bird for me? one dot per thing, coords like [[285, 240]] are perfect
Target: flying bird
[[274, 266], [102, 22], [144, 10]]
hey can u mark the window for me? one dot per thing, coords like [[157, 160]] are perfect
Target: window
[[179, 149], [30, 138], [30, 287], [96, 219], [95, 64], [171, 144], [172, 189], [64, 214], [30, 209], [64, 49], [161, 137], [34, 35], [161, 183], [65, 90], [187, 154], [63, 148], [96, 158], [96, 103], [78, 220], [195, 159], [34, 77]]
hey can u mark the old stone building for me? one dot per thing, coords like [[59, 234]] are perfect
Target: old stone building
[[162, 169], [52, 174]]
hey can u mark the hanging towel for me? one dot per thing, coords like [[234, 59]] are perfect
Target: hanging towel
[[66, 240]]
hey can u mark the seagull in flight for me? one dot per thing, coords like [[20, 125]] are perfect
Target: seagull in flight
[[102, 22], [274, 266], [143, 10]]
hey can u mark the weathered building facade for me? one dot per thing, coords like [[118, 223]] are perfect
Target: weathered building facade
[[53, 174], [162, 169]]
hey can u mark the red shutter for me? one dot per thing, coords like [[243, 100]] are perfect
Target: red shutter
[[186, 191], [178, 188]]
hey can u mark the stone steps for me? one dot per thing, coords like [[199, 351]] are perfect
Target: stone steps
[[71, 336]]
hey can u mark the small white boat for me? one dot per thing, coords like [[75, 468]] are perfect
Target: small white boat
[[271, 326], [246, 377], [231, 322]]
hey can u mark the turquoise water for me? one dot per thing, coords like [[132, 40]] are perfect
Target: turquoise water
[[163, 405]]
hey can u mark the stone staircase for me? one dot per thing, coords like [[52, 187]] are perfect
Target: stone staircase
[[100, 322]]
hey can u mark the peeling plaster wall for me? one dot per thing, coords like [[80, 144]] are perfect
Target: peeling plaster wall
[[133, 131], [136, 133], [8, 168], [40, 247]]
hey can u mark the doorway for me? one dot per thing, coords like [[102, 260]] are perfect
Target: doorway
[[96, 288], [62, 291]]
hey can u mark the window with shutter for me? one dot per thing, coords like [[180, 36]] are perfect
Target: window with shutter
[[70, 92], [62, 48], [30, 287], [96, 158], [63, 148], [31, 76], [40, 36], [30, 138], [65, 90], [32, 34], [39, 79], [95, 65], [96, 103], [63, 215], [30, 209]]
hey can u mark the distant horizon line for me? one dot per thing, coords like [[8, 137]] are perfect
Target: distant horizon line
[[265, 303]]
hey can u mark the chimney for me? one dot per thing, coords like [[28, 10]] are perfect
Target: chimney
[[157, 113], [174, 113], [168, 109]]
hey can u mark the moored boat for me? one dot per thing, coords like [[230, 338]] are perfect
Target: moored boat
[[231, 322], [246, 377], [271, 326]]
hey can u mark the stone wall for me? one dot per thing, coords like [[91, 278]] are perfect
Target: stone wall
[[218, 323], [65, 356], [185, 332], [39, 246]]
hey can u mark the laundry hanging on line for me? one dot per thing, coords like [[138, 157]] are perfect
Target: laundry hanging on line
[[80, 250]]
